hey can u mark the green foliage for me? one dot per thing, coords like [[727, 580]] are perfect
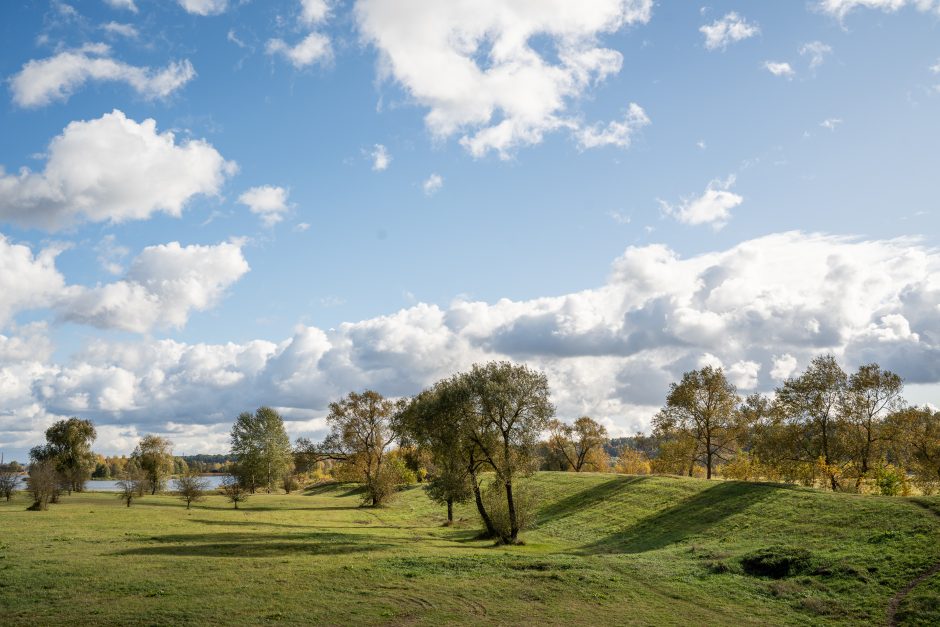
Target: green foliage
[[43, 483], [9, 482], [700, 413], [191, 487], [525, 499], [154, 457], [891, 480], [579, 445], [68, 446], [362, 427], [133, 483], [261, 449], [234, 491]]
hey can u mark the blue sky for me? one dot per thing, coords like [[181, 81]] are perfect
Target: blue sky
[[613, 192]]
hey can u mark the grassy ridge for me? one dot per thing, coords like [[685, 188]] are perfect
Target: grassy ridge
[[606, 548]]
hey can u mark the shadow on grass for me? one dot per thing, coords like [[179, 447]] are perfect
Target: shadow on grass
[[319, 525], [585, 499], [339, 488], [246, 523], [255, 545], [689, 517]]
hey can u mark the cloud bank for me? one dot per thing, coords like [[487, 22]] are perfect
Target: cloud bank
[[762, 309]]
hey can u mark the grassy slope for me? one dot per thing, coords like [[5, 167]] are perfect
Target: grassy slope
[[607, 549]]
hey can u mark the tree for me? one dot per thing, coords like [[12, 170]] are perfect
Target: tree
[[510, 409], [233, 490], [43, 482], [68, 444], [289, 482], [9, 479], [191, 487], [132, 483], [154, 456], [632, 462], [701, 406], [871, 393], [809, 408], [261, 448], [915, 437], [578, 444], [362, 427], [433, 419]]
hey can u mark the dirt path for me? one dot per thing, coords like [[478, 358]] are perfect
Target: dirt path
[[895, 601]]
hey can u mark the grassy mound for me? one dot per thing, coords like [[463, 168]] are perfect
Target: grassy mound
[[605, 548]]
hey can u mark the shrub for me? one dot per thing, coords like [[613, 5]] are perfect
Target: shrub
[[892, 481], [777, 562], [393, 476], [632, 462], [524, 498]]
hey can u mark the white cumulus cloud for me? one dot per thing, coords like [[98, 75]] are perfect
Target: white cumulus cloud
[[314, 11], [473, 65], [268, 202], [204, 7], [117, 28], [841, 8], [27, 280], [380, 158], [730, 29], [122, 4], [432, 184], [111, 169], [779, 68], [43, 81], [163, 286], [314, 48], [617, 133], [816, 51], [713, 207]]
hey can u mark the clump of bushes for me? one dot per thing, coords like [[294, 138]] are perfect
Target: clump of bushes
[[524, 498], [778, 562]]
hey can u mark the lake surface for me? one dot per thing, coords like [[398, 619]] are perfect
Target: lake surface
[[111, 485]]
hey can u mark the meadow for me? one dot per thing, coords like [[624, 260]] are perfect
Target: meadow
[[604, 549]]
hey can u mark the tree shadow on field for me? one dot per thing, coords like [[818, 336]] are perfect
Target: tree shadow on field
[[255, 545], [585, 499], [689, 517], [341, 488], [246, 523]]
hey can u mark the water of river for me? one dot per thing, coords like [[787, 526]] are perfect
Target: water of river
[[108, 485]]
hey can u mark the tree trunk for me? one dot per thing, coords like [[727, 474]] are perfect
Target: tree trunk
[[450, 511], [487, 521], [513, 523], [708, 454]]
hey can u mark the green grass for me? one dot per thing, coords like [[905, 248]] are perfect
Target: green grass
[[606, 549]]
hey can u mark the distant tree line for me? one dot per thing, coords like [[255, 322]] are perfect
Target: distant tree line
[[823, 427]]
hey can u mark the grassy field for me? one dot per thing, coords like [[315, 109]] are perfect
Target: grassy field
[[606, 549]]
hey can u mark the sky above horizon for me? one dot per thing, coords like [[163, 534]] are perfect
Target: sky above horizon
[[210, 205]]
